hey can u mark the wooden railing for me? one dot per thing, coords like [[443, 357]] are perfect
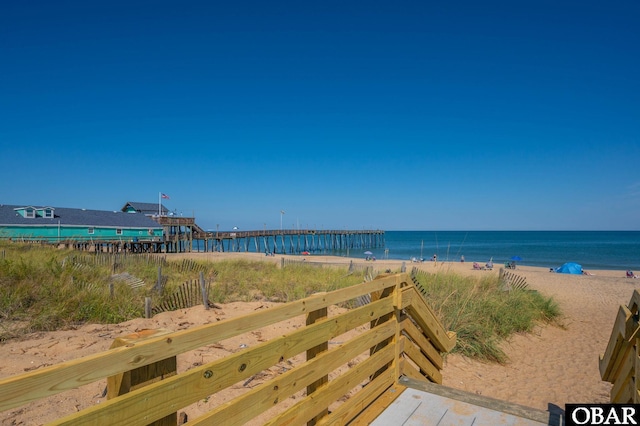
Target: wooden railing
[[620, 363], [393, 336]]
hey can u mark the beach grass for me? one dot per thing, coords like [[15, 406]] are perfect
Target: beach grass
[[46, 289], [483, 313]]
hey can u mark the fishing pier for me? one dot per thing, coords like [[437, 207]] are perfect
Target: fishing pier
[[182, 234], [291, 241]]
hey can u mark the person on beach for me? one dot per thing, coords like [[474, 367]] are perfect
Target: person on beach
[[462, 259]]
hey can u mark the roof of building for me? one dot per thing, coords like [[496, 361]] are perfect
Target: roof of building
[[77, 217], [146, 208]]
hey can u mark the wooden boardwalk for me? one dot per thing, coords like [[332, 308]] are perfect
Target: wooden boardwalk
[[429, 404]]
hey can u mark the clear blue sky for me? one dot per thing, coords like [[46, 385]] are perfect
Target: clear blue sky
[[463, 115]]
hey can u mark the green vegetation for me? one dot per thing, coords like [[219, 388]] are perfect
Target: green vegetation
[[482, 313], [44, 289]]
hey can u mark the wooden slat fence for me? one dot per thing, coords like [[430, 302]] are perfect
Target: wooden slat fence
[[508, 280], [186, 266], [620, 363], [418, 276], [511, 281], [187, 295], [393, 336], [367, 269], [117, 261], [131, 280]]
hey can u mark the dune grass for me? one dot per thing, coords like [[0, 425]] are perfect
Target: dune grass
[[482, 313], [45, 289]]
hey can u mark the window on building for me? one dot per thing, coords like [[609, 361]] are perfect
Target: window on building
[[90, 231], [150, 231], [29, 213], [118, 231], [47, 213]]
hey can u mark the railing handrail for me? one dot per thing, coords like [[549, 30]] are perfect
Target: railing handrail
[[188, 387]]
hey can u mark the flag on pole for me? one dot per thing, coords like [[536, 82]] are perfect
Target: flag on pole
[[161, 196]]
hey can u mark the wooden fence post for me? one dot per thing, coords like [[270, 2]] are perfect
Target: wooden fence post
[[388, 292], [205, 293], [159, 282], [147, 307], [312, 318], [128, 381]]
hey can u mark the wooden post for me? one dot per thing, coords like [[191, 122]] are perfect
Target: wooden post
[[388, 292], [134, 379], [313, 317], [205, 293], [147, 307], [159, 282]]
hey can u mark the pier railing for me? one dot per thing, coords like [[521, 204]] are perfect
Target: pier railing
[[283, 241], [350, 359]]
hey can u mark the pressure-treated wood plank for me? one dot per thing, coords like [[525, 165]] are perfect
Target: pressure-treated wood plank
[[266, 395], [622, 361], [616, 340], [367, 404], [427, 321], [309, 407], [312, 317], [125, 382], [142, 376], [145, 405], [422, 362], [199, 382], [425, 345], [48, 381], [623, 375]]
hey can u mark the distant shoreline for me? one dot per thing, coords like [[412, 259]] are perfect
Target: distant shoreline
[[594, 250], [462, 268]]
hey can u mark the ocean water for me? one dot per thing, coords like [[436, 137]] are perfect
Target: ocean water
[[619, 250]]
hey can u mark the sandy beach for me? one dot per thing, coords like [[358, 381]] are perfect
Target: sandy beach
[[552, 366]]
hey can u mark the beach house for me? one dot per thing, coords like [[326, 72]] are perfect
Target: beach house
[[52, 224]]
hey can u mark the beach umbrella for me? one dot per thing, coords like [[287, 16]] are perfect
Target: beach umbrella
[[368, 253], [570, 268], [516, 258]]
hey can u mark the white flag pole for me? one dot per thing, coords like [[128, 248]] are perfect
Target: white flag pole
[[159, 203]]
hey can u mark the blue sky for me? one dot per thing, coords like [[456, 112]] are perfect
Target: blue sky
[[395, 115]]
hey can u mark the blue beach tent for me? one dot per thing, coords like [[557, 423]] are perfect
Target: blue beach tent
[[570, 268]]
